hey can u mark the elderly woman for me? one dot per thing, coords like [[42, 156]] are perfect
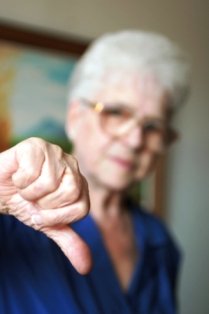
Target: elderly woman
[[122, 97]]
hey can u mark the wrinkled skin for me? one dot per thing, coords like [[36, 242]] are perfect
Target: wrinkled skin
[[42, 187]]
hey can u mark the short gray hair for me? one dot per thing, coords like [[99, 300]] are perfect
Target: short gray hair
[[131, 51]]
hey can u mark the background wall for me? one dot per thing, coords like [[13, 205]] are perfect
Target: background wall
[[186, 22]]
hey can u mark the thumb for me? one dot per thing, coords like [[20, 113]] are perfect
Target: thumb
[[75, 249]]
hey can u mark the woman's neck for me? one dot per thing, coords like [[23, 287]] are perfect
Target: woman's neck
[[116, 227], [105, 203]]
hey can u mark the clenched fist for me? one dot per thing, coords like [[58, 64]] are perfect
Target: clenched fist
[[42, 187]]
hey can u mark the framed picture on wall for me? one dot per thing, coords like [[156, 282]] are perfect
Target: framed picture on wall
[[34, 72]]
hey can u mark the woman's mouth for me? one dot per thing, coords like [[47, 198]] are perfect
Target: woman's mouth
[[122, 162]]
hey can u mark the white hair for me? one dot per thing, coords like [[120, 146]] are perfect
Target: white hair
[[131, 51]]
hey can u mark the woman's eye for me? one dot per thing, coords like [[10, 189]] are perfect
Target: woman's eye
[[114, 111], [152, 127]]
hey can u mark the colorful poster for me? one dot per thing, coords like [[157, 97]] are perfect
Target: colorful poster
[[33, 89]]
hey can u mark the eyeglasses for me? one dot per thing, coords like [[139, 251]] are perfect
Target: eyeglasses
[[117, 120]]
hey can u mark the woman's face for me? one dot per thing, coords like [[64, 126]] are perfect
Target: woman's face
[[116, 161]]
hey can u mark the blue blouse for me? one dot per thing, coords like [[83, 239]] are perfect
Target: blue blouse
[[36, 278]]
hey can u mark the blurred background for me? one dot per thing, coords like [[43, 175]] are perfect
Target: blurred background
[[187, 165]]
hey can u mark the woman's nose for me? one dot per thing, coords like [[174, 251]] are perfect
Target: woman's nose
[[134, 137]]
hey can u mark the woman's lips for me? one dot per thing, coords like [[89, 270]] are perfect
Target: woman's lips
[[124, 163]]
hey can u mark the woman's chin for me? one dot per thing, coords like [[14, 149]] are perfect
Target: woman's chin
[[114, 183]]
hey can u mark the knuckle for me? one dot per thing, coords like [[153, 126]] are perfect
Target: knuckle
[[57, 150], [23, 178], [83, 209], [30, 142], [31, 173], [74, 163], [74, 188], [48, 184], [42, 188], [75, 194]]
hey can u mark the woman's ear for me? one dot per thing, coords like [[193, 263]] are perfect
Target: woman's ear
[[172, 136], [73, 119]]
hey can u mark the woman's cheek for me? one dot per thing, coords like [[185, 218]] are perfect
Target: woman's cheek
[[146, 164]]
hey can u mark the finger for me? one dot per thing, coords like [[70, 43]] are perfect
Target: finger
[[65, 215], [71, 244], [48, 181], [75, 249], [50, 175], [58, 169], [68, 192], [30, 158]]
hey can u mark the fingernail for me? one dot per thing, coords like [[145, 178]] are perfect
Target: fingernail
[[36, 219]]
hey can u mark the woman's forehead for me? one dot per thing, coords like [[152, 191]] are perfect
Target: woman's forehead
[[133, 91]]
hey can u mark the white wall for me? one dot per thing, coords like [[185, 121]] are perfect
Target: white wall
[[187, 22]]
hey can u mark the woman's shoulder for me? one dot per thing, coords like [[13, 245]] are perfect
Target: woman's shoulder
[[156, 237], [155, 229]]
